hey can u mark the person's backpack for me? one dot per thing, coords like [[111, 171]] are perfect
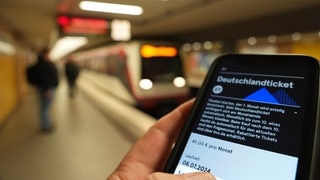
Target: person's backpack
[[32, 76]]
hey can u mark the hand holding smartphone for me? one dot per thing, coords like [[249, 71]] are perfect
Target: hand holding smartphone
[[255, 117]]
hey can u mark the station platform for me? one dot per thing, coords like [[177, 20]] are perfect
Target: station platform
[[85, 144]]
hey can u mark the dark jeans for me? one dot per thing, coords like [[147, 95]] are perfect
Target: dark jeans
[[46, 98]]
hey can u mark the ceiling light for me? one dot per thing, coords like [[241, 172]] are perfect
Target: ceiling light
[[196, 46], [252, 40], [7, 48], [272, 38], [296, 36], [207, 45], [110, 8], [66, 45], [187, 47]]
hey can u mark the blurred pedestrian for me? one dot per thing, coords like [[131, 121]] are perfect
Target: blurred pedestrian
[[44, 75], [72, 72]]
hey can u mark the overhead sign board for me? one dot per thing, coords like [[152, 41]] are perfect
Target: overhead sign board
[[82, 26]]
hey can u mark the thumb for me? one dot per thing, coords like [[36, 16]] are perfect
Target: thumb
[[188, 176]]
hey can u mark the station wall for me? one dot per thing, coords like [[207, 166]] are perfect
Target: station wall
[[13, 84], [309, 48], [8, 91]]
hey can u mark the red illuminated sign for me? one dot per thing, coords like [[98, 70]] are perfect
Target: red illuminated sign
[[80, 25]]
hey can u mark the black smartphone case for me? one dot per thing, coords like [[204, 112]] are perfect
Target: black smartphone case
[[308, 168]]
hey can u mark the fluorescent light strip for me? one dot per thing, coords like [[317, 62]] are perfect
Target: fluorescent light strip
[[110, 8], [66, 45]]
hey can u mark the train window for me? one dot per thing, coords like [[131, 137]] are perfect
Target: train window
[[161, 69]]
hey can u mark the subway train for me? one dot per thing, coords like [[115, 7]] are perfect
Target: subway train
[[148, 75]]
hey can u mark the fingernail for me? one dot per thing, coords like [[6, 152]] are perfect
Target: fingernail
[[199, 176]]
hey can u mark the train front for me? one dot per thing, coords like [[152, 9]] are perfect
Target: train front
[[161, 85]]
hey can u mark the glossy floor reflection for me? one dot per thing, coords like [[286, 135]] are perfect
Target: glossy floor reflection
[[84, 145]]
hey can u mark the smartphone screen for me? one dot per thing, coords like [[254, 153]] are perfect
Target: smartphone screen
[[253, 119]]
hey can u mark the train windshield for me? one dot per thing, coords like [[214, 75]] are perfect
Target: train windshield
[[161, 69]]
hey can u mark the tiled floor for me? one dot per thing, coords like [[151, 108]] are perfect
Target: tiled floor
[[85, 145]]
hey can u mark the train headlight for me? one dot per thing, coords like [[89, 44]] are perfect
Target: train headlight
[[145, 84], [179, 82]]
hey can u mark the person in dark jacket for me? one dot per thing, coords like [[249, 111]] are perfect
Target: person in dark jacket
[[72, 72], [45, 78]]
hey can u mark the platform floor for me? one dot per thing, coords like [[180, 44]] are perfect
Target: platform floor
[[85, 145]]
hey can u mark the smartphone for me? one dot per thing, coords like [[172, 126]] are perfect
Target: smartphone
[[255, 118]]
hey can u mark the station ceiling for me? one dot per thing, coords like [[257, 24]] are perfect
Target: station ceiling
[[34, 21]]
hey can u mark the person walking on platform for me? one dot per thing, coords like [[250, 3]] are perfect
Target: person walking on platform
[[44, 75], [72, 72]]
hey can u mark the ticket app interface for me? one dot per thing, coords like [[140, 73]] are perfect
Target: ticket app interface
[[248, 126]]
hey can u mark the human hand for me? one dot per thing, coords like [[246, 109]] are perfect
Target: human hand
[[148, 155]]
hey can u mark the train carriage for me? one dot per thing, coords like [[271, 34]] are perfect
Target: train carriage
[[150, 72]]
